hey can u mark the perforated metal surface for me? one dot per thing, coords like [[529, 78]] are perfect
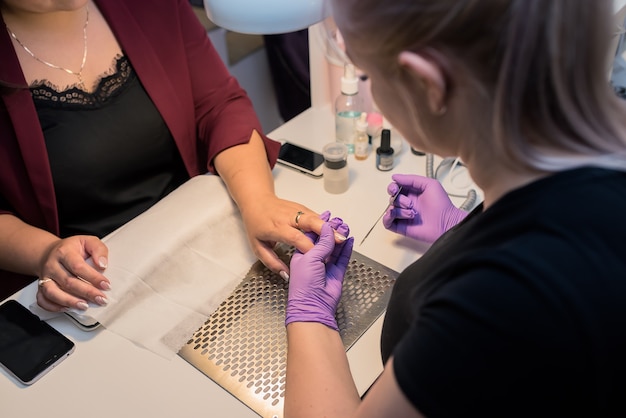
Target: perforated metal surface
[[243, 345]]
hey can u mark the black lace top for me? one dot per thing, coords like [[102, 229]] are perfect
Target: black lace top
[[110, 152], [109, 86]]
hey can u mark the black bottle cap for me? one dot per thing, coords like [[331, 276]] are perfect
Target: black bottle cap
[[385, 141]]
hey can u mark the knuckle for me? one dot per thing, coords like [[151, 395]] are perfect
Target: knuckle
[[70, 286], [74, 266]]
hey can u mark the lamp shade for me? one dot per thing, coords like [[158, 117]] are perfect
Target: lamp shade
[[265, 16]]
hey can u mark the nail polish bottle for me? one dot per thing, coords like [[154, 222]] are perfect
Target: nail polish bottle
[[384, 153]]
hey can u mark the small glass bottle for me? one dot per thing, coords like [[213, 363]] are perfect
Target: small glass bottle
[[348, 108], [361, 139]]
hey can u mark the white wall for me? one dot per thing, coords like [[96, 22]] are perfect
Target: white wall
[[253, 74]]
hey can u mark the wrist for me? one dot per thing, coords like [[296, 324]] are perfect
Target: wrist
[[454, 216], [44, 254], [299, 315], [252, 201], [295, 328]]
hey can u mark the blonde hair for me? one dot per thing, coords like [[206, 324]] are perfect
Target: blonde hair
[[544, 63]]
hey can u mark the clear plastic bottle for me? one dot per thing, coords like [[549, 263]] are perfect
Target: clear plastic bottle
[[361, 139], [348, 108]]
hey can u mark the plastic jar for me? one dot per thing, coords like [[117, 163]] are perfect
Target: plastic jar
[[336, 173]]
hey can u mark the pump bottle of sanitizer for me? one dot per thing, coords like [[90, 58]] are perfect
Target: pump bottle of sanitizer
[[348, 108]]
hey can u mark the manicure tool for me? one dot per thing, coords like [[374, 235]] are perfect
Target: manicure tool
[[392, 199]]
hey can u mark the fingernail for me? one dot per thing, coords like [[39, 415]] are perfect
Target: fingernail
[[339, 236], [102, 301], [102, 262], [283, 274], [105, 285], [83, 306]]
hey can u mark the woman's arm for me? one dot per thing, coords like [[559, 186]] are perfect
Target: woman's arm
[[22, 245], [268, 219], [319, 382]]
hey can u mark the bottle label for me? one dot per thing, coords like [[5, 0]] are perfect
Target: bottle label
[[361, 149], [384, 162], [345, 127]]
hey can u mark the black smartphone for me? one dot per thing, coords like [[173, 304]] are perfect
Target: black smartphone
[[301, 159], [29, 347]]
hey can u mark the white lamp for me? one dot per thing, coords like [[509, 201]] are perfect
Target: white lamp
[[265, 16]]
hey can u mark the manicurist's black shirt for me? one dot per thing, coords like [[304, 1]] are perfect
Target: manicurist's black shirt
[[520, 310]]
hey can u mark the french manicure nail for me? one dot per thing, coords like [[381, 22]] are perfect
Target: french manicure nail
[[102, 301], [105, 285], [284, 275], [82, 305], [102, 262], [339, 236]]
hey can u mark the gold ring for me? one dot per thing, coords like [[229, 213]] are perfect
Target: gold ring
[[300, 213], [43, 281]]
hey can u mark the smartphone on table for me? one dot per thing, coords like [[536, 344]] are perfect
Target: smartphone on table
[[302, 159], [29, 347]]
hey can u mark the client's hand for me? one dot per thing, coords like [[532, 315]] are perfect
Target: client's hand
[[66, 280], [423, 210], [274, 220], [317, 277]]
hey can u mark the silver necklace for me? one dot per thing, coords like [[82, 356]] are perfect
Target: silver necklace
[[78, 73]]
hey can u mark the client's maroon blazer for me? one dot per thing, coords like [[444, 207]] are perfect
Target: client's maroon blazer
[[201, 103]]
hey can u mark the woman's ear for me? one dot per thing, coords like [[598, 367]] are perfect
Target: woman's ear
[[430, 76]]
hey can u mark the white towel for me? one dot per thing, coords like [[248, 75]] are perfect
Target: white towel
[[173, 265]]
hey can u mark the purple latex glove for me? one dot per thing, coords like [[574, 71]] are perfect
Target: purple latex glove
[[324, 216], [317, 276], [423, 210]]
